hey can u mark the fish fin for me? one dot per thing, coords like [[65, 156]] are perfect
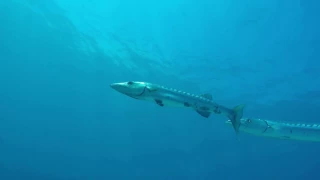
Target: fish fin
[[159, 102], [204, 113], [207, 96], [236, 116]]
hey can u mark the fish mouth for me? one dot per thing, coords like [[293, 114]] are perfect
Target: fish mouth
[[113, 85], [124, 89], [118, 87]]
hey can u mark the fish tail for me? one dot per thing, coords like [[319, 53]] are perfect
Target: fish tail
[[236, 116]]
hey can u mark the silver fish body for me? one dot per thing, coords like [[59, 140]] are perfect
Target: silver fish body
[[280, 130], [203, 104]]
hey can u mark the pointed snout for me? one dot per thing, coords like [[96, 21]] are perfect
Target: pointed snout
[[113, 85], [117, 86]]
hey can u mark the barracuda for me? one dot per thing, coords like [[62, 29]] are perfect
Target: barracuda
[[203, 104], [280, 130]]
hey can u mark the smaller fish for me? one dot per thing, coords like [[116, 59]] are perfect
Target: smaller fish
[[202, 104], [280, 130]]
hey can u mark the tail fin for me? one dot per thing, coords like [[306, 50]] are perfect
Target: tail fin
[[237, 115]]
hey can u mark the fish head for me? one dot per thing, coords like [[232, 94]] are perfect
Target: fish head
[[251, 125], [133, 89]]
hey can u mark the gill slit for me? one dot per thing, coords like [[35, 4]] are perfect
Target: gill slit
[[144, 90], [266, 127]]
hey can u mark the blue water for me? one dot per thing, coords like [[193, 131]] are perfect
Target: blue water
[[60, 119]]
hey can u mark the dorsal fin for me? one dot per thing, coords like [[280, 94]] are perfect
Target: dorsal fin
[[207, 96]]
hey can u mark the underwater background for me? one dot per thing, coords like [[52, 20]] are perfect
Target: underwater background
[[60, 119]]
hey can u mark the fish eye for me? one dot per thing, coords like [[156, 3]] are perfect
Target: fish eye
[[130, 83], [248, 120]]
